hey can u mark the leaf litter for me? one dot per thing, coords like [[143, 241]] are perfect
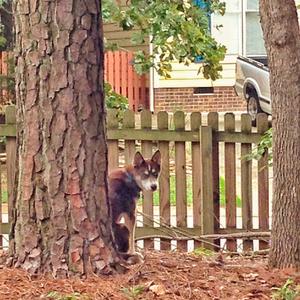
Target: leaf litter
[[163, 275]]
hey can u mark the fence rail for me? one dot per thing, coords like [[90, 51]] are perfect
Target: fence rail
[[205, 188]]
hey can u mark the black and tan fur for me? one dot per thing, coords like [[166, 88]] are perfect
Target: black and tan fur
[[125, 186]]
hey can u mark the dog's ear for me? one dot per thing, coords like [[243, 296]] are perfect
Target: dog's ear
[[138, 159], [156, 157]]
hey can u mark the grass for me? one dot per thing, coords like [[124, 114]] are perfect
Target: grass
[[133, 292], [4, 196], [200, 251], [74, 296], [286, 292], [190, 192]]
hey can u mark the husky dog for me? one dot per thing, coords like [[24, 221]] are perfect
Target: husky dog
[[124, 188]]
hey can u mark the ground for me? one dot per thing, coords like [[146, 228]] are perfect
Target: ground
[[164, 275]]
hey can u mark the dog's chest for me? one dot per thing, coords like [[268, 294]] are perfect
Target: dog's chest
[[123, 197]]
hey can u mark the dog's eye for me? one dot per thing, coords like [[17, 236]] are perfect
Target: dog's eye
[[154, 173], [146, 173]]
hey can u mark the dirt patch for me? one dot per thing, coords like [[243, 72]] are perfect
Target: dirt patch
[[164, 275]]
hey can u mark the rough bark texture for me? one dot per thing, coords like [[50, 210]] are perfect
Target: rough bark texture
[[282, 38], [61, 220]]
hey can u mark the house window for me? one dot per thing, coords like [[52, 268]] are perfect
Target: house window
[[203, 5], [254, 36], [230, 32]]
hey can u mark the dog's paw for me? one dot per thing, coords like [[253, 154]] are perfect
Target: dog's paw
[[135, 258]]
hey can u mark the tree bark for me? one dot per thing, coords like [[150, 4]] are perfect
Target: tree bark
[[282, 38], [61, 223]]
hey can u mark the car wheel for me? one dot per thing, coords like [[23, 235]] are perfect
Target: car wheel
[[253, 109]]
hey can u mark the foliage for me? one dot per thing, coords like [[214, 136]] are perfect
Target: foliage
[[114, 100], [3, 40], [287, 292], [133, 292], [264, 145], [74, 296], [179, 31], [201, 251]]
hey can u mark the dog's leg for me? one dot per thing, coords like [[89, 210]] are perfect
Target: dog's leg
[[130, 224]]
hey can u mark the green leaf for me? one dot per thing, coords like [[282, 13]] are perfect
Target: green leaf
[[178, 31]]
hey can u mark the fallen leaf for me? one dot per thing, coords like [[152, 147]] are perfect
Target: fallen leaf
[[157, 289]]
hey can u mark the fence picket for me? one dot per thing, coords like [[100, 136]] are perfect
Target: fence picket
[[146, 123], [124, 77], [207, 203], [164, 180], [230, 179], [112, 145], [129, 122], [246, 182], [117, 71], [196, 174], [130, 76], [263, 183], [180, 171], [213, 122]]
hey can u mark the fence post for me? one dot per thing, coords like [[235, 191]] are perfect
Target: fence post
[[213, 121], [180, 171], [164, 178], [230, 180], [263, 182], [207, 201], [146, 147], [11, 152], [196, 174]]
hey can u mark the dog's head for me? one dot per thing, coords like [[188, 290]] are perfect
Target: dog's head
[[146, 171]]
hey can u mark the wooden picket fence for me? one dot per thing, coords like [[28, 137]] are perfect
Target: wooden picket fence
[[195, 152], [120, 74], [193, 155]]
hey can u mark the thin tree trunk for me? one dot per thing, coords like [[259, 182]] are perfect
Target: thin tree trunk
[[282, 38], [61, 223]]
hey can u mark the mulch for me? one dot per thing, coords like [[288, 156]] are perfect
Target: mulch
[[163, 275]]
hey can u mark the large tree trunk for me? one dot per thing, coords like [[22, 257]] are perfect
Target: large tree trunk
[[282, 38], [61, 222]]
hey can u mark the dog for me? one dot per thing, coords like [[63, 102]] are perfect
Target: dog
[[124, 190]]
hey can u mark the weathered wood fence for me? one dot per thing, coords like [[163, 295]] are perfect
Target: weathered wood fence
[[195, 157], [120, 73], [193, 154]]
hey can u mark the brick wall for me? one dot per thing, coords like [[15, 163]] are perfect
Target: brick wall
[[222, 99]]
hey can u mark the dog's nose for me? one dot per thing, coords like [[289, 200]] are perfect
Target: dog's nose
[[153, 187]]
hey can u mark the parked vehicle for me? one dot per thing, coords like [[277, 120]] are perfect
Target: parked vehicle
[[252, 83]]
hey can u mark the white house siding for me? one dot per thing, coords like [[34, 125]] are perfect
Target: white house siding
[[233, 36]]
